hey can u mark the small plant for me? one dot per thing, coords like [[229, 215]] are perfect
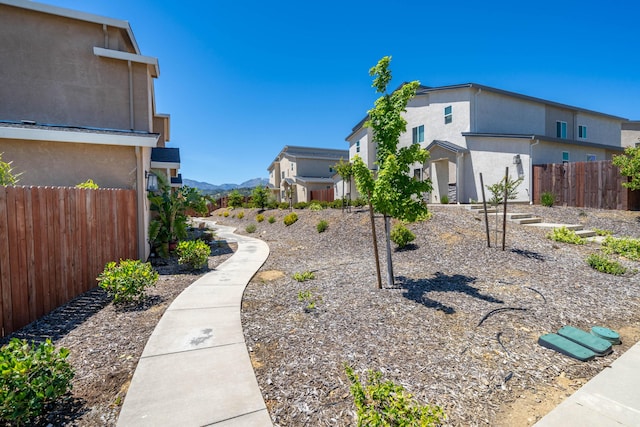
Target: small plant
[[322, 226], [88, 184], [240, 214], [444, 200], [547, 199], [194, 253], [272, 219], [283, 205], [7, 175], [251, 228], [304, 276], [290, 218], [235, 199], [401, 235], [497, 190], [259, 217], [565, 235], [300, 205], [625, 246], [604, 265], [127, 281], [600, 232], [315, 206], [310, 298], [32, 377], [384, 403], [225, 214]]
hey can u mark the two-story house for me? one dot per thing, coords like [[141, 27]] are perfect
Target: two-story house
[[297, 171], [471, 129], [631, 133], [77, 102]]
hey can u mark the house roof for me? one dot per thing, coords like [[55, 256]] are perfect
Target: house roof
[[32, 131], [447, 146], [96, 19], [310, 179], [165, 155], [545, 138], [295, 152]]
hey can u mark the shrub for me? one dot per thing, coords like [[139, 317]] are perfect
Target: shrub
[[240, 214], [272, 219], [300, 205], [322, 226], [315, 206], [547, 199], [235, 199], [565, 235], [310, 298], [604, 265], [32, 377], [625, 246], [401, 235], [600, 232], [384, 403], [358, 203], [283, 205], [251, 228], [194, 253], [444, 200], [225, 214], [88, 184], [290, 218], [259, 217], [304, 276], [127, 281], [338, 203]]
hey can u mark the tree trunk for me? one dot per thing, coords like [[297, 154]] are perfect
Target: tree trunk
[[387, 230], [375, 243]]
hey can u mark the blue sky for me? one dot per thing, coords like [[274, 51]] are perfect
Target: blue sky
[[242, 79]]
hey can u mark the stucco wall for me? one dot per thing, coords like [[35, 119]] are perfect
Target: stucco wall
[[50, 74], [601, 130], [630, 134], [66, 164], [550, 152], [316, 168], [496, 113], [367, 148]]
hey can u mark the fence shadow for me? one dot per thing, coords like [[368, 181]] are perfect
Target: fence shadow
[[529, 254], [417, 290]]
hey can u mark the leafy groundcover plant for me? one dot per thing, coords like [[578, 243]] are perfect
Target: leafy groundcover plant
[[565, 235], [127, 281], [32, 376], [625, 246], [604, 265], [322, 226], [304, 276], [194, 253]]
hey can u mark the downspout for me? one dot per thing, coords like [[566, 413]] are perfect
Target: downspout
[[140, 205], [106, 36], [131, 116], [459, 176], [531, 169]]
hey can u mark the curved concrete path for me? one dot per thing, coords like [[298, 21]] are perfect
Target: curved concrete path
[[195, 369]]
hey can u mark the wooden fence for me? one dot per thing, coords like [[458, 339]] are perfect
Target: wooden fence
[[54, 241], [584, 184], [325, 195]]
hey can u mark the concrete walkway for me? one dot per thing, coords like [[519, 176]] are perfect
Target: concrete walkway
[[195, 369], [611, 398]]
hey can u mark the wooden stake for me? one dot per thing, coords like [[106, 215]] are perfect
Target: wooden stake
[[504, 217], [375, 242], [486, 216]]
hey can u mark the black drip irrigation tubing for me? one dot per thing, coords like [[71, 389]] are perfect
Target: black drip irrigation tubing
[[498, 310]]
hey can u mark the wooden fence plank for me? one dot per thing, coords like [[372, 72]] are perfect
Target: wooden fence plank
[[41, 260], [5, 268], [19, 288], [30, 252]]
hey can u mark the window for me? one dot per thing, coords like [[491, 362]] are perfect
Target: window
[[582, 132], [330, 169], [565, 157], [561, 130], [448, 115], [282, 174], [357, 146], [418, 134], [291, 166], [416, 174], [591, 157]]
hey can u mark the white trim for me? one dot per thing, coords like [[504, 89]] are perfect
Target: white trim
[[164, 165], [74, 14], [126, 56], [79, 137]]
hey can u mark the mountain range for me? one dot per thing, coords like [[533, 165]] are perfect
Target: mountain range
[[209, 188]]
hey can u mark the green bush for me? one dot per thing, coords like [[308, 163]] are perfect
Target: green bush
[[444, 200], [290, 218], [315, 206], [604, 265], [88, 184], [303, 276], [251, 228], [384, 404], [283, 205], [240, 214], [338, 204], [32, 376], [358, 203], [601, 232], [225, 214], [300, 205], [127, 281], [401, 235], [272, 219], [625, 246], [311, 298], [565, 235], [194, 253], [259, 217], [547, 199], [322, 226]]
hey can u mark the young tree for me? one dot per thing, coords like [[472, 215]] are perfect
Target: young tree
[[394, 193], [629, 164], [7, 177], [345, 170], [235, 199], [260, 197]]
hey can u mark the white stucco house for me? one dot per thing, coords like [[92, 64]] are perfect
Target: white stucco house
[[297, 171], [471, 129], [631, 133]]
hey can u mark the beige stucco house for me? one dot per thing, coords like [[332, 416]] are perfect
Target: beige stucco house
[[78, 102], [471, 129], [297, 171], [631, 133]]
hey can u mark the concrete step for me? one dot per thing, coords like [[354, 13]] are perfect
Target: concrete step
[[586, 233], [574, 227], [489, 211], [525, 221]]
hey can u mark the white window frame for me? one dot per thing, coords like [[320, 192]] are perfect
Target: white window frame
[[567, 156], [561, 129], [418, 134], [448, 115], [591, 157], [582, 132], [357, 146]]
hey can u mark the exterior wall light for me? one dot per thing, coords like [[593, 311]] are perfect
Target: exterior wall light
[[152, 181]]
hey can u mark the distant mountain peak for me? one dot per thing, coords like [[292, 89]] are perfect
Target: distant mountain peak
[[206, 187]]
